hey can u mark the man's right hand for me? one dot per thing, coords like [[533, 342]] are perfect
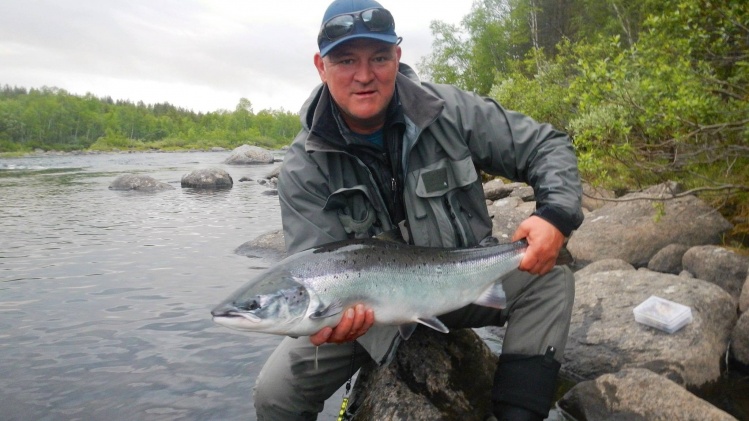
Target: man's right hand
[[355, 322]]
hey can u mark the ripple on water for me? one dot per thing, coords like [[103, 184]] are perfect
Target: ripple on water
[[105, 296]]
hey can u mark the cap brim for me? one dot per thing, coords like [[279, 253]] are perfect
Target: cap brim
[[387, 38]]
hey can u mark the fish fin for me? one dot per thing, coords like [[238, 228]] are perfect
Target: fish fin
[[407, 330], [434, 323], [493, 297], [394, 236], [334, 308]]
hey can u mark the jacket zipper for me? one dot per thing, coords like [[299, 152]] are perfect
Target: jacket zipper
[[451, 214]]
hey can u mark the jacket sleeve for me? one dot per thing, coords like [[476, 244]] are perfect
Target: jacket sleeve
[[302, 193], [513, 145]]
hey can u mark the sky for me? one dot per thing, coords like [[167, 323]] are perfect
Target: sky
[[202, 55]]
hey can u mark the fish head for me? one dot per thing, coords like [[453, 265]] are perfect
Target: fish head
[[274, 302]]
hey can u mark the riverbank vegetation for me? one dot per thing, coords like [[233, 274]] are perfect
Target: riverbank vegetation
[[650, 90]]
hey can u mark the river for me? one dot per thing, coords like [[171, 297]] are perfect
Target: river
[[105, 295]]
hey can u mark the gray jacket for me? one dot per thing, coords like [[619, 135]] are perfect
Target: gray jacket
[[327, 193]]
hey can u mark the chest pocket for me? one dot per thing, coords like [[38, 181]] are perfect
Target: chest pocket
[[437, 211], [356, 211]]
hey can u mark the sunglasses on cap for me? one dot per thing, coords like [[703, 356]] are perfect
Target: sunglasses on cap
[[375, 20]]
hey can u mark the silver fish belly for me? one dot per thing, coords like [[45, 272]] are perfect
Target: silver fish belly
[[403, 284]]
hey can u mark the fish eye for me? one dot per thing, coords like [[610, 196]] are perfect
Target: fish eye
[[252, 305]]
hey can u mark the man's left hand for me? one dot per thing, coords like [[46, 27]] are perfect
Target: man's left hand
[[544, 243]]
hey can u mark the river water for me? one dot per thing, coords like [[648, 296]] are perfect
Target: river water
[[105, 295]]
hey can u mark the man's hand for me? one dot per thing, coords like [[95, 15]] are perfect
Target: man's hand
[[544, 243], [355, 322]]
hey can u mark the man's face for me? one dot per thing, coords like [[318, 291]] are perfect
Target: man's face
[[360, 75]]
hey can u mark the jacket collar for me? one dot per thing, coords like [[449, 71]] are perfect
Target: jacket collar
[[419, 105]]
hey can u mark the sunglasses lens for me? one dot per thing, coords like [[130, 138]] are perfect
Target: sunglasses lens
[[377, 20], [339, 26]]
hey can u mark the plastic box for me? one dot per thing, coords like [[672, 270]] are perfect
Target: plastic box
[[663, 314]]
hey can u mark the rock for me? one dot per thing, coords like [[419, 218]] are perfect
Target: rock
[[138, 182], [248, 155], [605, 338], [595, 197], [604, 265], [526, 193], [744, 298], [686, 274], [668, 259], [718, 265], [740, 340], [637, 394], [270, 183], [434, 376], [270, 244], [274, 173], [636, 230], [217, 149], [245, 178], [507, 214], [496, 189], [208, 178]]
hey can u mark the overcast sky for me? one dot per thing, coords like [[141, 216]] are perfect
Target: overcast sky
[[202, 55]]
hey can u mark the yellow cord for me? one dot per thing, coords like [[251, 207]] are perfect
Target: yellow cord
[[344, 404]]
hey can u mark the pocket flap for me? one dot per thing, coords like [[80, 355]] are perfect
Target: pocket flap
[[444, 175]]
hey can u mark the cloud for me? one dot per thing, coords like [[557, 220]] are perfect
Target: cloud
[[197, 54]]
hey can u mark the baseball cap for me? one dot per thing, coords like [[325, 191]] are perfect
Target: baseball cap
[[345, 20]]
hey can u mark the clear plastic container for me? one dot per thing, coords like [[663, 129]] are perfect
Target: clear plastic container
[[663, 314]]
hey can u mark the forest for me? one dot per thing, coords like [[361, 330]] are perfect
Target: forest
[[649, 91], [53, 119]]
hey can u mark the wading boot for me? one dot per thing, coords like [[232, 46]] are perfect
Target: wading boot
[[524, 386]]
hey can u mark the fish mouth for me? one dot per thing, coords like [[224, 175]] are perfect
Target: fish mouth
[[234, 314]]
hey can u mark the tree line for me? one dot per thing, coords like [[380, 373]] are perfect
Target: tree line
[[649, 90], [53, 119]]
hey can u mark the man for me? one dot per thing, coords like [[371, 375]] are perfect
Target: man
[[380, 151]]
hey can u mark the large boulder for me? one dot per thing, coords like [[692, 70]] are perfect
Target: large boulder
[[718, 265], [637, 394], [138, 182], [595, 197], [507, 214], [208, 178], [744, 297], [740, 340], [668, 259], [604, 265], [249, 155], [434, 376], [268, 245], [637, 227], [604, 336]]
